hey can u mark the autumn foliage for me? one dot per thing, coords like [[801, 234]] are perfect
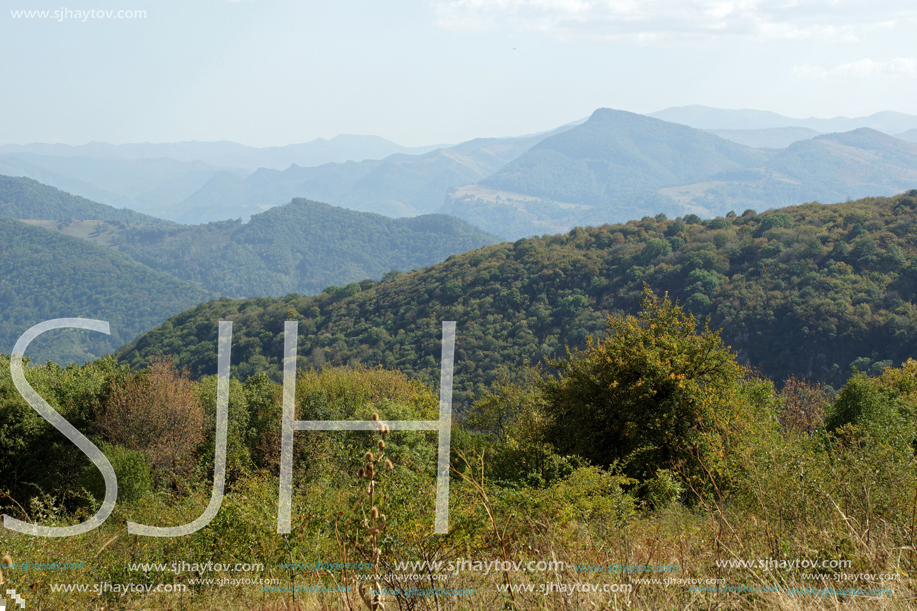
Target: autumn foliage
[[157, 412]]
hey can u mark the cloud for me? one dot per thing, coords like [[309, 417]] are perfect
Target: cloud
[[649, 20], [865, 68]]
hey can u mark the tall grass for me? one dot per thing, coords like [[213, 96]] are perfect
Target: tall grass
[[785, 488]]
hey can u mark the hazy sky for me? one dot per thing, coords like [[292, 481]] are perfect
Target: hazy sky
[[272, 72]]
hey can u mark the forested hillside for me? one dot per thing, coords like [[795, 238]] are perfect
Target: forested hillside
[[301, 247], [24, 198], [46, 275], [809, 290]]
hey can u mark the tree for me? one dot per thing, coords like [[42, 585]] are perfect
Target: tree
[[158, 414], [656, 393]]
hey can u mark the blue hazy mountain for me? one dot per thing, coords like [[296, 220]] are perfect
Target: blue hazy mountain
[[398, 185], [766, 138], [706, 117], [339, 149], [619, 166]]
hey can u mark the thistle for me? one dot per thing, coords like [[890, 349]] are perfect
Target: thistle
[[375, 523], [7, 564]]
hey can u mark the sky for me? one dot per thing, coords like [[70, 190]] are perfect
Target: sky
[[421, 72]]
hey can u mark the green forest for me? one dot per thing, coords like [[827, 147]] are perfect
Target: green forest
[[813, 291], [302, 247], [46, 275]]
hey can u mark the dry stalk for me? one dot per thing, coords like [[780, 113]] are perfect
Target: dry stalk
[[375, 523], [479, 487], [344, 576]]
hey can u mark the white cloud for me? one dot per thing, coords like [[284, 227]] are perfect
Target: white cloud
[[649, 20], [865, 68]]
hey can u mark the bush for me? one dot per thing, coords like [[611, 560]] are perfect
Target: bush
[[655, 394], [135, 478], [238, 455], [663, 490], [803, 406]]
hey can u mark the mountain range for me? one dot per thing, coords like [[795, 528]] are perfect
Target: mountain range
[[185, 189], [339, 149], [620, 165], [612, 167], [766, 138], [706, 117], [300, 247], [399, 185]]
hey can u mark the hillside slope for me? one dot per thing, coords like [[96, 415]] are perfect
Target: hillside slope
[[24, 198], [768, 138], [46, 275], [809, 290], [849, 164]]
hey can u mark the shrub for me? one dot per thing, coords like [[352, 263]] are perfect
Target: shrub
[[135, 478], [656, 393], [238, 456], [157, 413], [803, 406], [512, 414], [663, 490]]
